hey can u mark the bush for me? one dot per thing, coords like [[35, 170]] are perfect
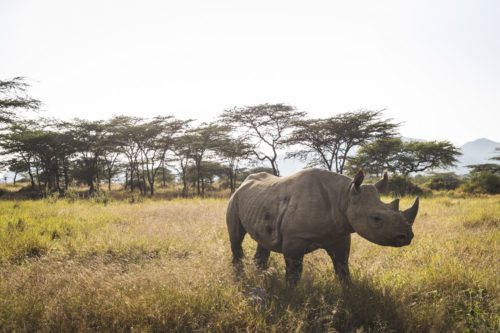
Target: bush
[[444, 181], [71, 195], [401, 186], [482, 183], [100, 197]]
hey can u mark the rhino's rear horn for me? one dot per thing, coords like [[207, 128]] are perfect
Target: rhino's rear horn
[[411, 213]]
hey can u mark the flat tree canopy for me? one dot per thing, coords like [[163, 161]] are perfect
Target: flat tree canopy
[[269, 126], [13, 97], [328, 142], [405, 157]]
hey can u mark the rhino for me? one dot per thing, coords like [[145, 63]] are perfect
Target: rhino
[[313, 209]]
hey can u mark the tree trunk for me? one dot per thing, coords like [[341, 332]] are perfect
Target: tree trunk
[[132, 178], [164, 176], [126, 178], [38, 178], [56, 180], [231, 181], [31, 177], [96, 170], [139, 183], [145, 189], [66, 175], [15, 176], [91, 187], [198, 188], [274, 165], [202, 186], [151, 188], [184, 185]]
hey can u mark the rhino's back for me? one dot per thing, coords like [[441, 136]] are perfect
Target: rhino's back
[[265, 201]]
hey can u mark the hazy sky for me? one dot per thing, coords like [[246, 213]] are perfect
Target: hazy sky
[[435, 65]]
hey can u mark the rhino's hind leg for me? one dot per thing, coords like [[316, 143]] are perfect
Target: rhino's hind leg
[[293, 270], [261, 257]]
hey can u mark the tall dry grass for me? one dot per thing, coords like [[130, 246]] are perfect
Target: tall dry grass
[[153, 266]]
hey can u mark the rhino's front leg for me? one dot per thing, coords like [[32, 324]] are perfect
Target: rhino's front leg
[[293, 251], [339, 252], [261, 257], [293, 270]]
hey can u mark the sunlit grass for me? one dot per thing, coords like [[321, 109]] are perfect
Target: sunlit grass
[[165, 266]]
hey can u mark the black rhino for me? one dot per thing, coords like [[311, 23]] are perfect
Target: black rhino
[[313, 209]]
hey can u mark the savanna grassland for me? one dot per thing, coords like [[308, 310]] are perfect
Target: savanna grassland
[[157, 266]]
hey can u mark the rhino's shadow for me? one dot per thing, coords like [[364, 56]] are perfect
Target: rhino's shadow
[[326, 303]]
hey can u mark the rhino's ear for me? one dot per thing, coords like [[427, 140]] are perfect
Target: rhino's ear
[[358, 179], [381, 185]]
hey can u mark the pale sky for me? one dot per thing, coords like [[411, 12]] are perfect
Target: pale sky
[[435, 65]]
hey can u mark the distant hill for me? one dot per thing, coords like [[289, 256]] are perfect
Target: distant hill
[[476, 152]]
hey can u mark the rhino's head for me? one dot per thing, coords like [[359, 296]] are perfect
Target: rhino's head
[[378, 222]]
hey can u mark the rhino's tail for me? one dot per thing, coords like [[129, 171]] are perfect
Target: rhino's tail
[[235, 228]]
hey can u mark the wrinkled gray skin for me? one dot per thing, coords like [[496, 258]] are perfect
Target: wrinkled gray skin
[[313, 209]]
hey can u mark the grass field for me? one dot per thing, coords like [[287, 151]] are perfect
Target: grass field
[[153, 266]]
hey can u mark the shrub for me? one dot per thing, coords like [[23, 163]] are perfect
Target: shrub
[[444, 181], [100, 197], [401, 186], [135, 198], [71, 195], [482, 182]]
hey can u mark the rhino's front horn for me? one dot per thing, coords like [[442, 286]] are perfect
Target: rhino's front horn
[[411, 213]]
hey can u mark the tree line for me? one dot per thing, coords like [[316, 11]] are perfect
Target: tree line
[[55, 154]]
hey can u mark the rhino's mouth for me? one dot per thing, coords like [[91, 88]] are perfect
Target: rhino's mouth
[[402, 239]]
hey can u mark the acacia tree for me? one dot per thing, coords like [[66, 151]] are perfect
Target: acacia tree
[[111, 154], [377, 156], [328, 142], [13, 97], [154, 139], [90, 139], [405, 157], [496, 158], [233, 151], [205, 139], [19, 142], [49, 160], [269, 126], [418, 156], [182, 148], [17, 166], [491, 168], [43, 148], [125, 131]]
